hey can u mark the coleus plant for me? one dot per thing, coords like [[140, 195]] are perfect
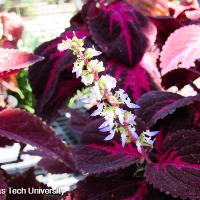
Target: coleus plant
[[130, 49], [131, 53]]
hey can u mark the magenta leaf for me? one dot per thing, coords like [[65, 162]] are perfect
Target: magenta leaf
[[13, 60], [157, 105], [186, 42], [3, 186], [22, 126], [121, 32], [135, 81], [177, 170], [52, 80]]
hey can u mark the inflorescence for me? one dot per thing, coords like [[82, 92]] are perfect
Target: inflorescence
[[109, 101]]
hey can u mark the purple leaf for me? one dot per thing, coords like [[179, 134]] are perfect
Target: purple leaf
[[180, 77], [52, 80], [48, 163], [186, 43], [53, 166], [157, 105], [96, 159], [22, 126], [3, 186], [96, 156], [121, 32], [13, 60], [135, 81], [115, 187], [109, 188], [177, 170]]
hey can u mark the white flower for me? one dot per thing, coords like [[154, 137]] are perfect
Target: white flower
[[110, 136], [91, 52], [96, 91], [123, 139], [120, 113], [109, 117], [108, 124], [130, 119], [124, 97], [98, 111], [108, 81], [66, 44], [78, 67], [96, 66], [87, 79]]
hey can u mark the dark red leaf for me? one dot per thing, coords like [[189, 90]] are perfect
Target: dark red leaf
[[121, 32], [157, 105], [165, 26], [48, 163], [96, 156], [94, 188], [26, 128], [116, 188], [179, 77], [52, 80], [12, 61], [3, 186], [96, 159], [53, 166], [135, 81], [177, 170]]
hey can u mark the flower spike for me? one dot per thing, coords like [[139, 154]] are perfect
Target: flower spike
[[109, 102]]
